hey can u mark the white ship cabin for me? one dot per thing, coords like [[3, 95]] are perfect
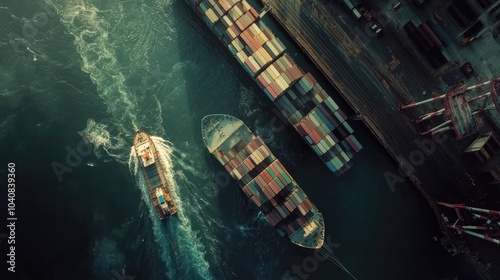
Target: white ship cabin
[[146, 154]]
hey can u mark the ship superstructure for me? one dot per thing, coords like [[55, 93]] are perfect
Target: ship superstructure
[[264, 180]]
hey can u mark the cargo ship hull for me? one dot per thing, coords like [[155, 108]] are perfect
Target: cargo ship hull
[[264, 180], [154, 175]]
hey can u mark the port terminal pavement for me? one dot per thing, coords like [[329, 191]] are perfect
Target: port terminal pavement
[[360, 69]]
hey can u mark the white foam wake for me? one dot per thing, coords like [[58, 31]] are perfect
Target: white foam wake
[[180, 228], [89, 26], [99, 136]]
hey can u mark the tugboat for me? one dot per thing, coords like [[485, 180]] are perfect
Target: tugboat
[[154, 175]]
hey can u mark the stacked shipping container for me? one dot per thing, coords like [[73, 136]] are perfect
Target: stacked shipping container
[[298, 96], [261, 176]]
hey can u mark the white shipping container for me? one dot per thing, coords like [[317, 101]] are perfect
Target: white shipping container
[[271, 73], [265, 54], [330, 141], [236, 174], [241, 57], [313, 119], [255, 29], [218, 11], [211, 16], [227, 21], [284, 85], [246, 5], [253, 62], [265, 75], [236, 13], [317, 99], [275, 72], [287, 63], [236, 45], [287, 78], [259, 58]]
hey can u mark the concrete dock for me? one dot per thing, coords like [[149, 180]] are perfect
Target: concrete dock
[[364, 77]]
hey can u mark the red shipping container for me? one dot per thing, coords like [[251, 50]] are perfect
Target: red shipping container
[[270, 220], [314, 137], [239, 22], [352, 144], [308, 203], [276, 89], [273, 202], [311, 79], [276, 216], [306, 128], [250, 65], [261, 82], [294, 200], [254, 12], [256, 200], [259, 181], [274, 186], [250, 164], [266, 176], [227, 167], [244, 36], [247, 191]]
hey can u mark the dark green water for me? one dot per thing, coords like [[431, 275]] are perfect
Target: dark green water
[[93, 71]]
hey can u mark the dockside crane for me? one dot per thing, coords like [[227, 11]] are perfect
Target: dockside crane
[[489, 228], [459, 108]]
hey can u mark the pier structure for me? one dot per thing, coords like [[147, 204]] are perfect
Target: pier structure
[[460, 108], [487, 222], [484, 153]]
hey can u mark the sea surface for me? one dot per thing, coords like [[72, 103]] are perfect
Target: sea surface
[[78, 77]]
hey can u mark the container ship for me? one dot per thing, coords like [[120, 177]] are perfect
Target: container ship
[[154, 175], [264, 180], [297, 95]]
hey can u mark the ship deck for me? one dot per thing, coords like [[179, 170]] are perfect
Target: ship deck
[[152, 171], [216, 129], [222, 134], [311, 235]]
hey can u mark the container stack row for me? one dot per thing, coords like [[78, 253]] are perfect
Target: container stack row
[[301, 99], [298, 96], [266, 182], [325, 129], [279, 76]]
